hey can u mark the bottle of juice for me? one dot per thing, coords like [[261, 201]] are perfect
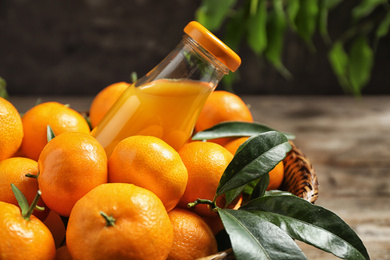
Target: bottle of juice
[[166, 101]]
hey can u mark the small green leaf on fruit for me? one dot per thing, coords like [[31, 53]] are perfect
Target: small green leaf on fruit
[[50, 133], [22, 201]]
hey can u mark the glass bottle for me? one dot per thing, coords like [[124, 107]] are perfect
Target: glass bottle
[[167, 101]]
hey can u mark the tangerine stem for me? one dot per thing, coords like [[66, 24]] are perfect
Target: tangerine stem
[[33, 205], [110, 220], [202, 201], [30, 175]]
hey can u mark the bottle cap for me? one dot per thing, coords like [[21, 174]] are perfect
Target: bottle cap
[[212, 44]]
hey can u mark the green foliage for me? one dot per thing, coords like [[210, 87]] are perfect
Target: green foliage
[[268, 222], [235, 129], [26, 209], [49, 133], [3, 88], [263, 24]]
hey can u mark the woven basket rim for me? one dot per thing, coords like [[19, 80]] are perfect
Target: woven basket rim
[[300, 177]]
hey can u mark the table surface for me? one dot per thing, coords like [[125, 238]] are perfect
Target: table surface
[[346, 139]]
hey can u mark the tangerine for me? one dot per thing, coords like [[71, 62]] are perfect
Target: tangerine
[[56, 226], [205, 163], [11, 129], [69, 166], [62, 253], [14, 170], [104, 100], [59, 117], [150, 163], [23, 238], [119, 221], [192, 237], [222, 106]]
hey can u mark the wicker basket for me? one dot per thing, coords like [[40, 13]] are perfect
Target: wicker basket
[[299, 179]]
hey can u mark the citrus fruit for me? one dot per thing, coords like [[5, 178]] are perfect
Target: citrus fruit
[[150, 163], [11, 129], [233, 144], [23, 238], [119, 221], [104, 100], [56, 226], [222, 106], [69, 166], [62, 253], [14, 170], [205, 163], [192, 237], [276, 175], [59, 117]]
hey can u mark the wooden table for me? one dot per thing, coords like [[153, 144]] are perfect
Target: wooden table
[[348, 142]]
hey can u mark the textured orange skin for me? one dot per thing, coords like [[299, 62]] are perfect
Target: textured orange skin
[[14, 170], [70, 165], [60, 118], [150, 163], [276, 176], [192, 237], [11, 129], [205, 162], [142, 227], [104, 100], [23, 239], [222, 106]]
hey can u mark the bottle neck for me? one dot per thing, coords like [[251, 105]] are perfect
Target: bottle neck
[[206, 55]]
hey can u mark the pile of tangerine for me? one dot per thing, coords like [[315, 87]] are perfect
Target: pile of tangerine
[[132, 205]]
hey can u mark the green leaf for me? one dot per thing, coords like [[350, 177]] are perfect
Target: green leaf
[[22, 201], [323, 11], [235, 129], [306, 21], [365, 8], [255, 238], [276, 27], [292, 9], [257, 31], [360, 63], [309, 223], [234, 29], [3, 88], [261, 187], [330, 4], [212, 13], [49, 133], [338, 59], [323, 20], [234, 32], [383, 27], [256, 157]]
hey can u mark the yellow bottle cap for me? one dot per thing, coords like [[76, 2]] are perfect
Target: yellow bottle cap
[[212, 44]]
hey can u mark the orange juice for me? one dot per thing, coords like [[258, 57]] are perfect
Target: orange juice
[[164, 108]]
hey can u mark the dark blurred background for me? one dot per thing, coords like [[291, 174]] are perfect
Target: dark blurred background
[[77, 47]]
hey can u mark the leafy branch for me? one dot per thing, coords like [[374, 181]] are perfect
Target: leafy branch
[[268, 222], [263, 25]]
